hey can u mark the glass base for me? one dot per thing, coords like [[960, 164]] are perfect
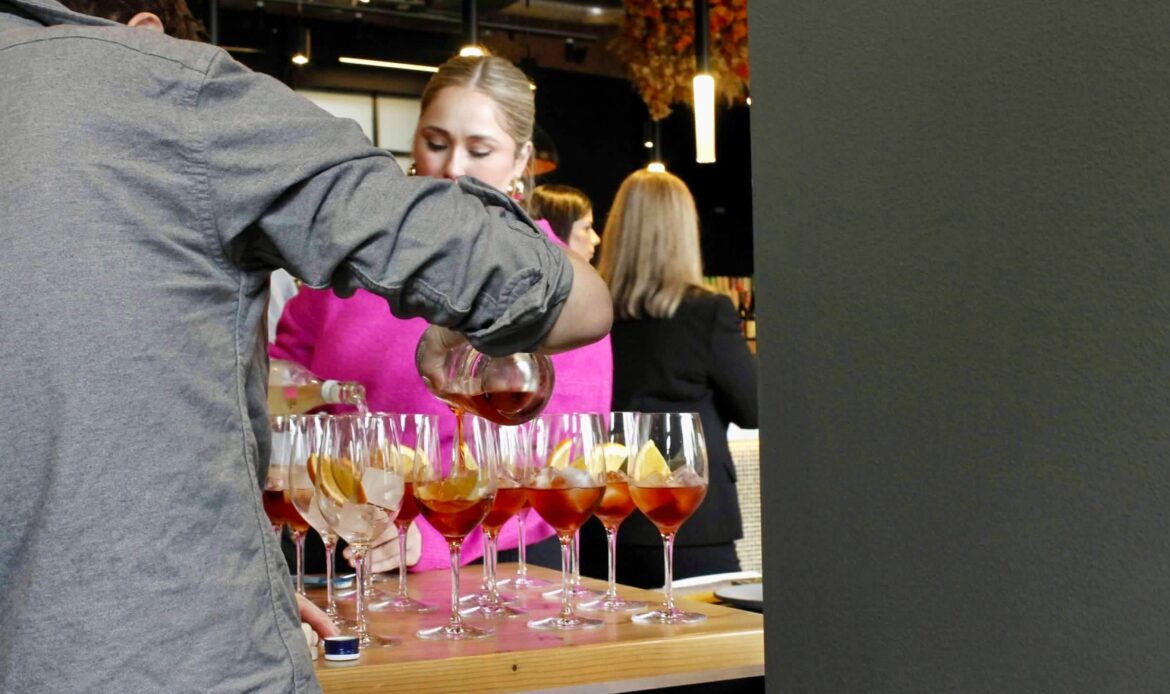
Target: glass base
[[578, 593], [343, 624], [525, 583], [498, 611], [400, 604], [449, 632], [375, 641], [481, 599], [661, 616], [614, 604], [573, 623]]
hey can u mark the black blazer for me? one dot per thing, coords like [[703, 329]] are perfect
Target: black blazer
[[695, 361]]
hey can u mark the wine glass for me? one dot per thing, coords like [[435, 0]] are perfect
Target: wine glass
[[454, 496], [359, 485], [522, 581], [514, 454], [418, 442], [305, 450], [565, 486], [616, 505], [668, 482], [276, 497]]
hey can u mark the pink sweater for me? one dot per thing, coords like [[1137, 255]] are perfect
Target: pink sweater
[[358, 339]]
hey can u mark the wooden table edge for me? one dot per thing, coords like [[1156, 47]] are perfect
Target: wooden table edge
[[614, 667]]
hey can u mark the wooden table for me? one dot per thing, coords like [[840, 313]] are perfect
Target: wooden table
[[620, 656]]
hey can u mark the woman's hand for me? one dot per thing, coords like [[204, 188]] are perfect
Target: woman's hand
[[383, 556]]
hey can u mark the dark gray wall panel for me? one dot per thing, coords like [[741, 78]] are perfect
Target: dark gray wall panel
[[962, 216]]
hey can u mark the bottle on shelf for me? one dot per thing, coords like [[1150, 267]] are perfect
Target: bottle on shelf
[[743, 298], [293, 389]]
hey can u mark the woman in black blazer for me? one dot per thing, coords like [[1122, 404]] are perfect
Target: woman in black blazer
[[677, 347]]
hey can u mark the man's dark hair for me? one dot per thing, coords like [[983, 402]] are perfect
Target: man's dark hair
[[176, 17]]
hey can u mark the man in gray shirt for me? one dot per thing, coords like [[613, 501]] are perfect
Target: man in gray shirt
[[150, 186]]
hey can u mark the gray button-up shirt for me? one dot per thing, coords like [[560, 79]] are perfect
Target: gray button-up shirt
[[147, 188]]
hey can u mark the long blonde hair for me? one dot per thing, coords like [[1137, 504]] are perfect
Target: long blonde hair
[[650, 256], [502, 82]]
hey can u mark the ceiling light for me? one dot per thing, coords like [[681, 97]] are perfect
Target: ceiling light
[[391, 65], [471, 52], [303, 48], [648, 144], [704, 87], [656, 167]]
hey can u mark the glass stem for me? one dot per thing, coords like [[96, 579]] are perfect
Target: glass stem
[[299, 540], [487, 567], [359, 565], [490, 557], [456, 621], [611, 540], [330, 542], [577, 560], [402, 528], [522, 572], [668, 557], [566, 577]]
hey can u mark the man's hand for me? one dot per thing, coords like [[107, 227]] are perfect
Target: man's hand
[[431, 356], [316, 618], [384, 554]]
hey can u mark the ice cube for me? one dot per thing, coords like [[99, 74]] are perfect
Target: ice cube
[[685, 477], [544, 479], [573, 478], [383, 488]]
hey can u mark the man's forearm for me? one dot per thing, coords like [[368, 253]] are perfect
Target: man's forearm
[[587, 314]]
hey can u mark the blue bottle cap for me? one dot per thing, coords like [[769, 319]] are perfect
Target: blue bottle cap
[[341, 647]]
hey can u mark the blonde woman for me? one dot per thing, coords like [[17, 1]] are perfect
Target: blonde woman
[[477, 116], [568, 213], [676, 348]]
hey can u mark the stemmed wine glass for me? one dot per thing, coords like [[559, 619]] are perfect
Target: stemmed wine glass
[[566, 483], [276, 497], [578, 591], [616, 505], [305, 451], [418, 442], [359, 485], [454, 496], [522, 581], [668, 482], [514, 454]]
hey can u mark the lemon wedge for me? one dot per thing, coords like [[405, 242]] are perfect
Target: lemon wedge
[[459, 487], [412, 459], [649, 463], [559, 458], [339, 481], [615, 455], [312, 464]]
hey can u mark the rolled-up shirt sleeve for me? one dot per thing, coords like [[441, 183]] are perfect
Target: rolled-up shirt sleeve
[[288, 185]]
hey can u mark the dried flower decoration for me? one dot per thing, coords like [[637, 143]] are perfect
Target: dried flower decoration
[[657, 43]]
